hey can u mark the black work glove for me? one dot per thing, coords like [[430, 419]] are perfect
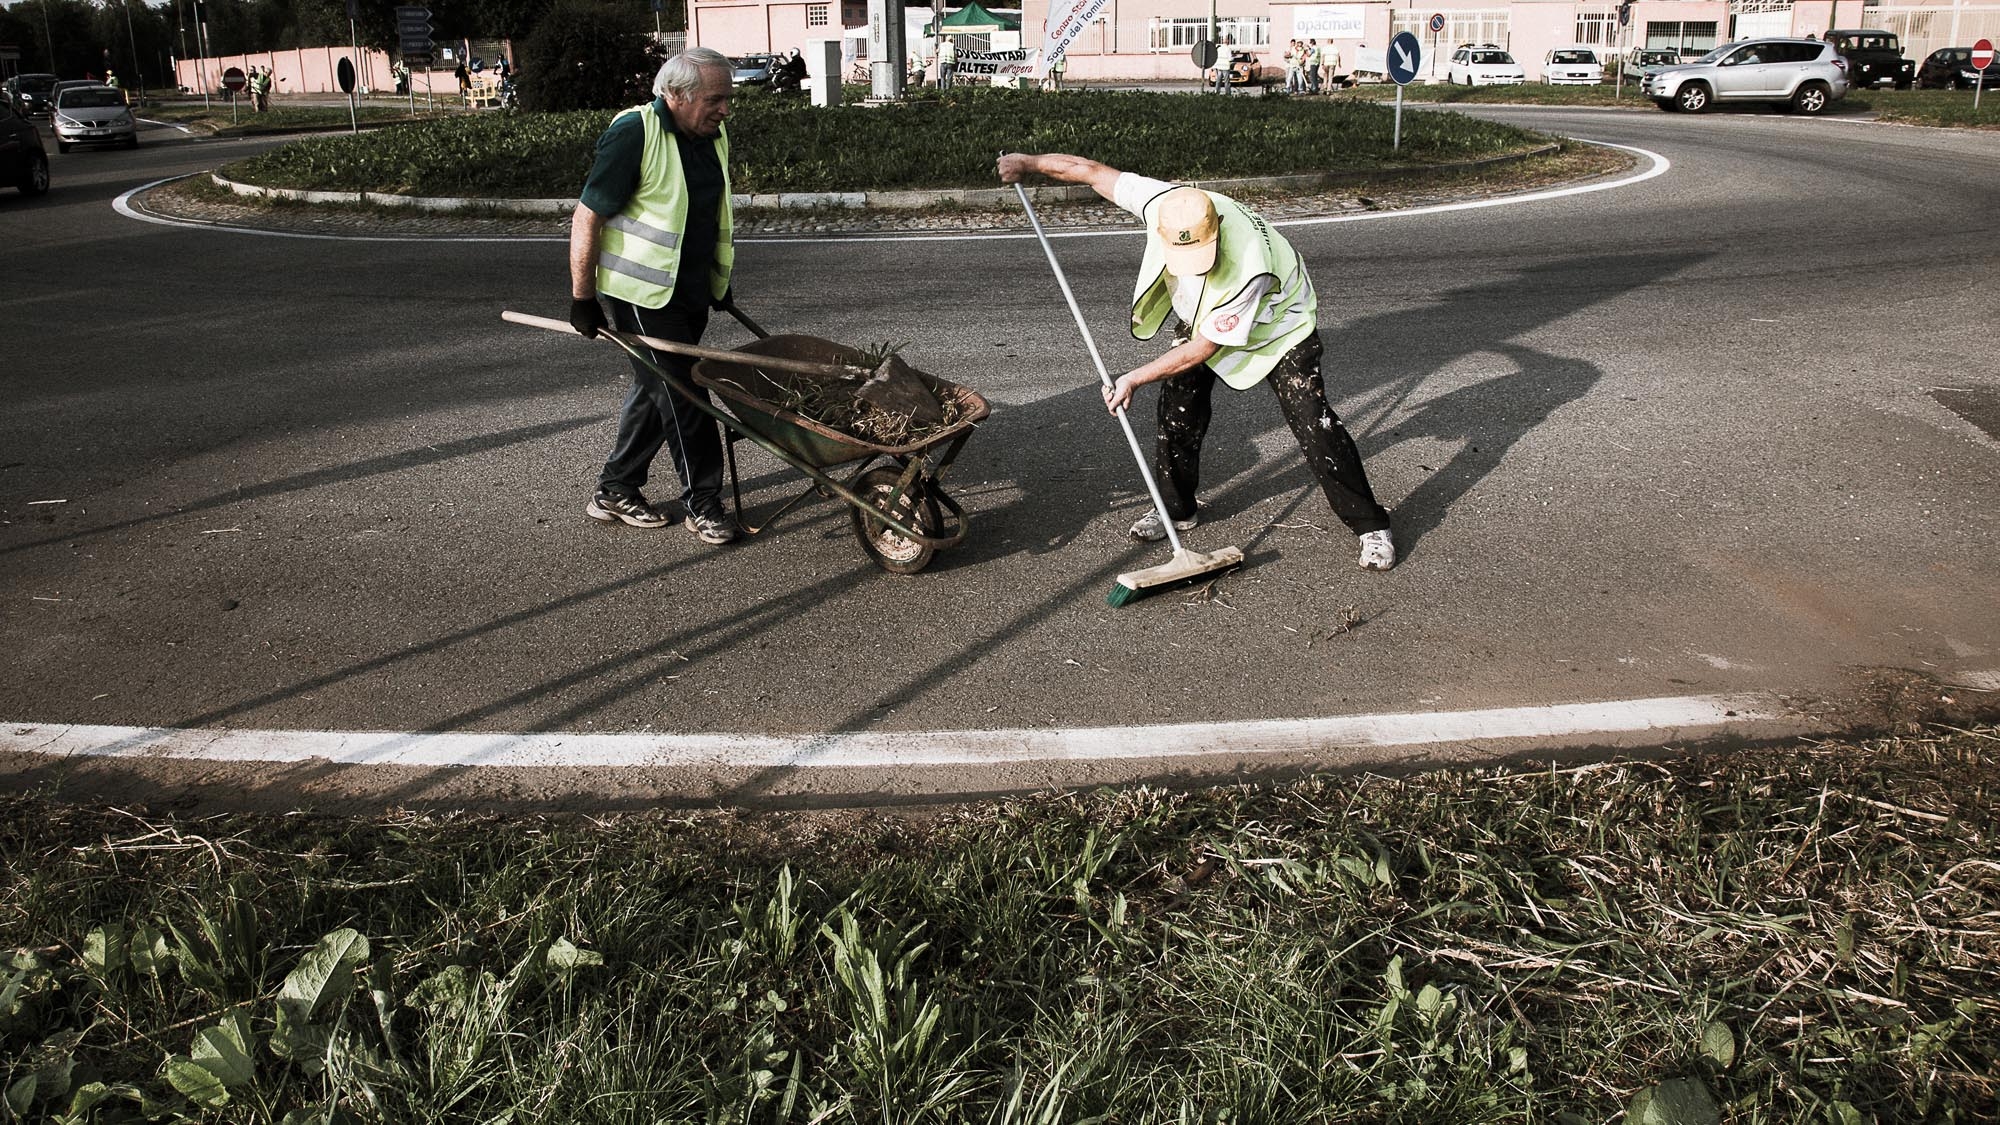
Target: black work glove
[[586, 316], [727, 299]]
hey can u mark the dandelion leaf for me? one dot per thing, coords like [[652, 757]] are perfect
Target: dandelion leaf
[[1677, 1101]]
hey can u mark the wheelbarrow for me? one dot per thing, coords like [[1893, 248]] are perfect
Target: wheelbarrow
[[900, 513]]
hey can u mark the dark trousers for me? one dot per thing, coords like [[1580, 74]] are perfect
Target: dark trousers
[[655, 415], [1330, 454]]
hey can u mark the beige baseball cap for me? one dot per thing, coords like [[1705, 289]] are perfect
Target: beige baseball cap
[[1187, 223]]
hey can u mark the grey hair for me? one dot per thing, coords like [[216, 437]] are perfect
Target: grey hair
[[680, 76]]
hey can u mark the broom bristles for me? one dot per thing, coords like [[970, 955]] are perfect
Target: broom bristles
[[1185, 566]]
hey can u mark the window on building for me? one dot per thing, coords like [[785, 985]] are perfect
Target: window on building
[[1471, 25], [818, 15], [1597, 29], [1180, 34], [1689, 39]]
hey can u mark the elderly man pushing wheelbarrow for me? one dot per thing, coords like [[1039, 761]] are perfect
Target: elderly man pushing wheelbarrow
[[1244, 311]]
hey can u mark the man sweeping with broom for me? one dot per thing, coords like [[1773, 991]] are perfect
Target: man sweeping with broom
[[1244, 312]]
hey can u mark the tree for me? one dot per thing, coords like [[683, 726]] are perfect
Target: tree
[[588, 54]]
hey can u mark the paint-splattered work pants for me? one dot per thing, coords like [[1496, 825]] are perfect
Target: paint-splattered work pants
[[1330, 453]]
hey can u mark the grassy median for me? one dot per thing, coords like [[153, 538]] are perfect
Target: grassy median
[[1799, 934], [782, 144]]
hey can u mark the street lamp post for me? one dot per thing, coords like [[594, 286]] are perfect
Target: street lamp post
[[138, 70]]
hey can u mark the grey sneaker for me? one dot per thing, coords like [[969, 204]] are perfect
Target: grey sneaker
[[1378, 550], [1149, 529], [619, 507], [713, 526]]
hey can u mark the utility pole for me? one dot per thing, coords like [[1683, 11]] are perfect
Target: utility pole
[[48, 35], [138, 69]]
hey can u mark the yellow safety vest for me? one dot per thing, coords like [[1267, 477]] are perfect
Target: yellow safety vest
[[1250, 249], [639, 255]]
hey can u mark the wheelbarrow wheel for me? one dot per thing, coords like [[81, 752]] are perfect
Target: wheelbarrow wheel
[[893, 551]]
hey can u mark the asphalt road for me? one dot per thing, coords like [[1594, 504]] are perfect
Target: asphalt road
[[1715, 432]]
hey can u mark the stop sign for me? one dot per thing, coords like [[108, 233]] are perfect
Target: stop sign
[[233, 78], [1982, 54]]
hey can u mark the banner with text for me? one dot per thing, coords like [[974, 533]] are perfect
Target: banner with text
[[1067, 19], [1328, 21], [1020, 63]]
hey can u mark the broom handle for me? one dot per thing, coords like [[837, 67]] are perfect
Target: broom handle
[[1132, 439]]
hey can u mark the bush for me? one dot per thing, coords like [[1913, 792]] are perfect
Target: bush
[[587, 54]]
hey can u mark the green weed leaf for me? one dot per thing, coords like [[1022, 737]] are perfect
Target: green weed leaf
[[21, 1095], [324, 978], [149, 953], [104, 948], [225, 1050], [1718, 1043], [565, 958], [1677, 1101], [196, 1082]]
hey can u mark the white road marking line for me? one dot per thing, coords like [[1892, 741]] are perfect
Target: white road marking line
[[1669, 716], [1658, 167]]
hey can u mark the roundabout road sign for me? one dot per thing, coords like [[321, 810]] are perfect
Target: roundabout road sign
[[1405, 55]]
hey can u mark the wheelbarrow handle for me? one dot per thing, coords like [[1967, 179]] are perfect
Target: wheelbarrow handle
[[747, 359]]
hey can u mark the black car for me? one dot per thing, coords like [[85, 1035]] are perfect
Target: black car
[[1951, 67], [24, 163], [30, 94]]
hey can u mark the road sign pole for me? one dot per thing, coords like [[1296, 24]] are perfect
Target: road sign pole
[[354, 95], [1396, 138]]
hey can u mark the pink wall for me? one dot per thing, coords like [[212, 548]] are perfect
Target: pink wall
[[309, 70]]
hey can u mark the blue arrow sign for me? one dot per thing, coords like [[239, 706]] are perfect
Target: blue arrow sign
[[1405, 55]]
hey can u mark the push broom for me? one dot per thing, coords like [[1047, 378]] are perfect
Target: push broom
[[1186, 566]]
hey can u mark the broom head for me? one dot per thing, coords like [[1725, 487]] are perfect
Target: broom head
[[1185, 566]]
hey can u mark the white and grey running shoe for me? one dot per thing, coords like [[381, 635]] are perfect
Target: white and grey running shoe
[[1149, 529], [619, 507]]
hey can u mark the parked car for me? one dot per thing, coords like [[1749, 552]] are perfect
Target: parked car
[[24, 163], [1572, 66], [1873, 57], [1484, 65], [94, 114], [29, 93], [1804, 75], [1951, 67], [1642, 58], [753, 70]]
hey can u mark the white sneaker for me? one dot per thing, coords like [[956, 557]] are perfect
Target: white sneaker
[[1149, 529], [1378, 550]]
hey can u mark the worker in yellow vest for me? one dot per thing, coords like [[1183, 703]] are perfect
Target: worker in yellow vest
[[652, 236], [1244, 312]]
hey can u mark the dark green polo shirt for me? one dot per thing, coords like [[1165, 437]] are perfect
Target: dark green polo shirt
[[614, 177]]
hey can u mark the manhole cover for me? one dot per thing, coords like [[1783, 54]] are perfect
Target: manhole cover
[[1979, 407]]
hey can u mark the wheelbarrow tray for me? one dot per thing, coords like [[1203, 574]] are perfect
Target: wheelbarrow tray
[[759, 396]]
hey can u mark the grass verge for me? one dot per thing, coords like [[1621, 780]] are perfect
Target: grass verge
[[216, 119], [1802, 934], [782, 144]]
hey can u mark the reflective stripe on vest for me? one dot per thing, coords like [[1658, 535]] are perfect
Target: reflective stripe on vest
[[1249, 249], [639, 255]]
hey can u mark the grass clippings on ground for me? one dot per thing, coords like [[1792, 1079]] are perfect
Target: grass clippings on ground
[[1797, 934]]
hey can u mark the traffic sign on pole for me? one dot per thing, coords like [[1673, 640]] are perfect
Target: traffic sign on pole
[[1437, 22], [233, 80], [1405, 56], [1982, 54]]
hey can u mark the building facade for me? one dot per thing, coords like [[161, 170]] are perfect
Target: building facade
[[1152, 41]]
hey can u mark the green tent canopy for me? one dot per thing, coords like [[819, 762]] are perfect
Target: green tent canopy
[[973, 20]]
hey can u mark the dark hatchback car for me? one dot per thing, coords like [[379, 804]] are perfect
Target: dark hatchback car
[[24, 163], [1951, 68], [31, 94]]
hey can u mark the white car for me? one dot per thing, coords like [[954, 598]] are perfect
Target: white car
[[1484, 65], [1572, 66], [93, 115]]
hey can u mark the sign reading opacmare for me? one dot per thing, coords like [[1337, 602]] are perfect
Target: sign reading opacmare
[[1329, 21]]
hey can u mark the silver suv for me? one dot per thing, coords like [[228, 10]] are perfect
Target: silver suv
[[1804, 75]]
